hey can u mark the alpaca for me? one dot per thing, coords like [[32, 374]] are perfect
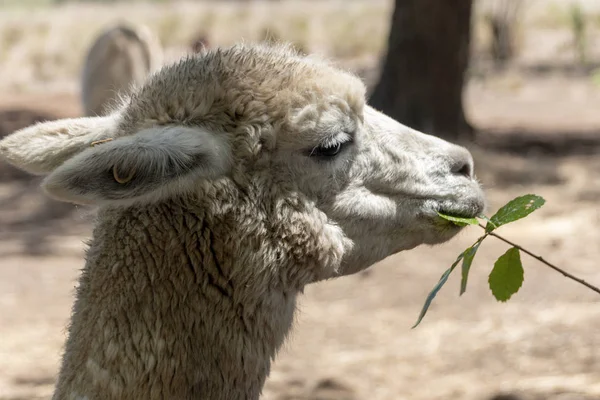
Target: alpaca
[[121, 56], [225, 184]]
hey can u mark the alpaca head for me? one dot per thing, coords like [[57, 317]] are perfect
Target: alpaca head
[[285, 128]]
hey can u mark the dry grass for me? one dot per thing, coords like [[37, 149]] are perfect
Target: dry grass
[[42, 47], [45, 47]]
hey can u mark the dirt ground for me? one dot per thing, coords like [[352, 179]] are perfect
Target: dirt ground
[[352, 338]]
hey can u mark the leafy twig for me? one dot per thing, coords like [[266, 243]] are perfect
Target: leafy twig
[[540, 259], [507, 276]]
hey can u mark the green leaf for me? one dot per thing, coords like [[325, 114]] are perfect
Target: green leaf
[[469, 254], [488, 221], [506, 277], [460, 221], [436, 289], [515, 209]]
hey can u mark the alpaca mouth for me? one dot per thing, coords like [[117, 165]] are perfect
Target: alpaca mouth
[[470, 209]]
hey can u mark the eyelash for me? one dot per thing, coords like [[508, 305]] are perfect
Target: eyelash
[[330, 150]]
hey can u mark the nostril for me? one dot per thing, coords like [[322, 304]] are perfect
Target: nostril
[[460, 162], [463, 169]]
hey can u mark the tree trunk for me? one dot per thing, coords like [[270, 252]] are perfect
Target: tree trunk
[[422, 77]]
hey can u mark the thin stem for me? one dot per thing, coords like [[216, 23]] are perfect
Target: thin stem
[[540, 259]]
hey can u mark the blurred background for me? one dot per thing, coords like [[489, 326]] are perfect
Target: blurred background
[[515, 81]]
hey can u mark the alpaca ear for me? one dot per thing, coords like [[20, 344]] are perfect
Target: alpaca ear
[[40, 148], [151, 164]]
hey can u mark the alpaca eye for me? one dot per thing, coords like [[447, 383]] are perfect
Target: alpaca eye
[[327, 151], [330, 148]]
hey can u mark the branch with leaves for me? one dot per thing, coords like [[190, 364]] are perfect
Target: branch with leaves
[[507, 276]]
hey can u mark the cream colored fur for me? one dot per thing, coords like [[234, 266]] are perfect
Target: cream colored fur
[[121, 56], [233, 207]]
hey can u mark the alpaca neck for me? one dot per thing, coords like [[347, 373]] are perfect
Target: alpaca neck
[[163, 311]]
